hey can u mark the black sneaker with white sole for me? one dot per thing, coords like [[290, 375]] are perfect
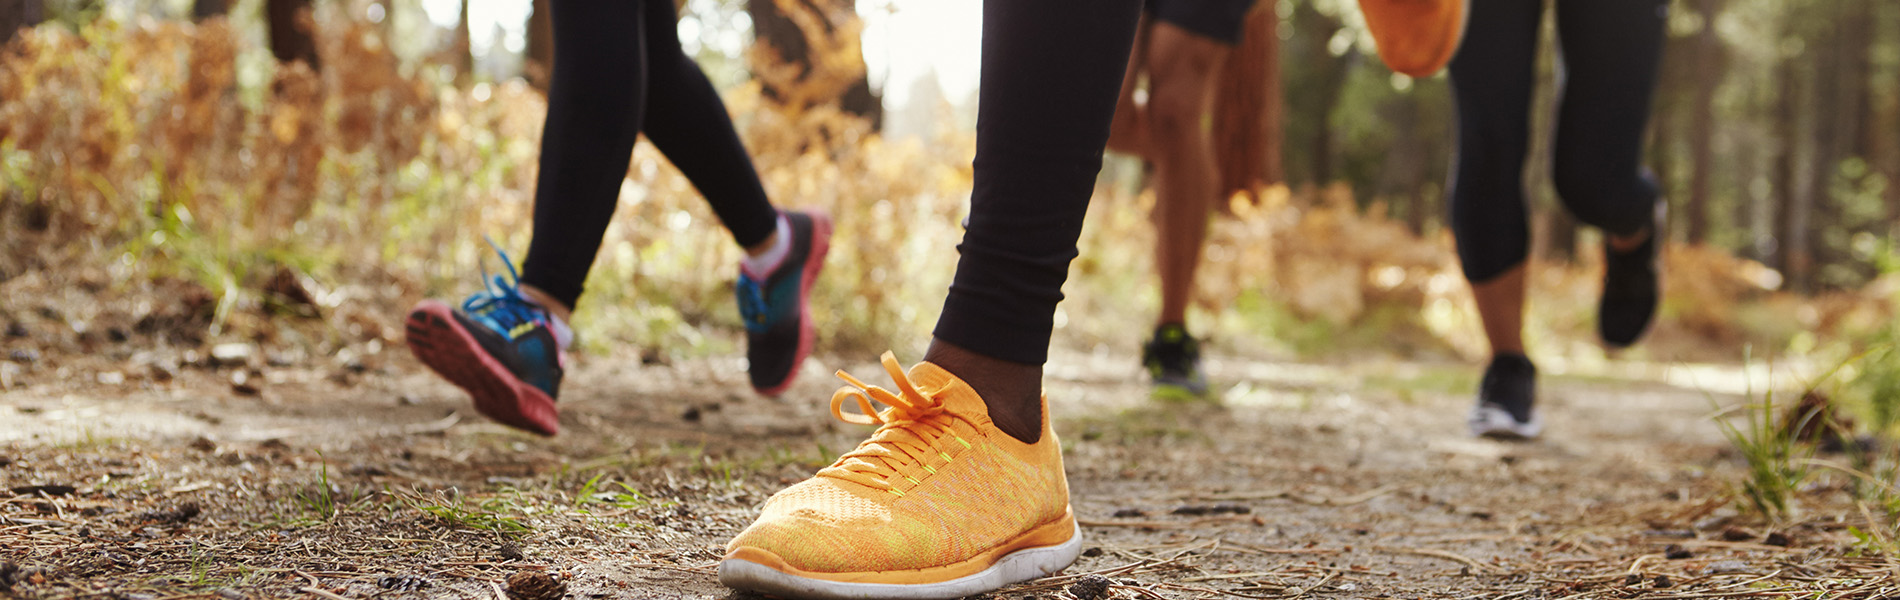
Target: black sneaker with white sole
[[1506, 400]]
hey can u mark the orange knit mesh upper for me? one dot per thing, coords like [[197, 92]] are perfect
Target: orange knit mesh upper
[[935, 485]]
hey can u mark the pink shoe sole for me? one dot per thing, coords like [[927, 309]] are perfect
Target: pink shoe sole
[[440, 341], [820, 246]]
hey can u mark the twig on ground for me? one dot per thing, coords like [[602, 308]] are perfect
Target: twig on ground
[[1359, 498], [1452, 556], [320, 592], [1171, 524]]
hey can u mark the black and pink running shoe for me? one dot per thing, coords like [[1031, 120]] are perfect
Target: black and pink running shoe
[[778, 324], [500, 347]]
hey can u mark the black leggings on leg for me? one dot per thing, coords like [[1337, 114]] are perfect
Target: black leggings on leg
[[1051, 73], [619, 72], [1611, 50]]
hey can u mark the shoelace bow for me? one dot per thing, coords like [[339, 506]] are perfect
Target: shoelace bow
[[501, 301], [910, 432]]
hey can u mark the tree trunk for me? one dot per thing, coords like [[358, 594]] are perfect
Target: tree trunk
[[462, 47], [205, 9], [775, 28], [1327, 87], [1710, 66], [15, 14], [1247, 109], [292, 32], [1791, 241], [537, 63]]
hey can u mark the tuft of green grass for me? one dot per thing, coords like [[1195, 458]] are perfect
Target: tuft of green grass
[[625, 498], [1778, 460], [486, 515]]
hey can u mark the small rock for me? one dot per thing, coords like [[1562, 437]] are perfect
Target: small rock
[[1092, 552], [1778, 539], [24, 355], [1663, 581], [177, 515], [1090, 587], [1632, 580], [535, 585], [365, 470], [163, 371], [17, 329], [510, 552], [1671, 533], [244, 385], [651, 356], [691, 415], [203, 444], [232, 353], [403, 582], [1737, 534], [118, 334], [51, 489], [1677, 552], [281, 359]]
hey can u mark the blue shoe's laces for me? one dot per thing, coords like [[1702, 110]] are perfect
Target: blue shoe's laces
[[752, 306], [501, 305]]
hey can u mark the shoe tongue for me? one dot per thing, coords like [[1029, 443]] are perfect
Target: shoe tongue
[[957, 396]]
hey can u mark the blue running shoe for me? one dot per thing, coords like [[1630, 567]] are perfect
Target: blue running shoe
[[778, 327], [499, 346]]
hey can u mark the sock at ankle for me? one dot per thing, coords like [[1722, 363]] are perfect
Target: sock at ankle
[[563, 335], [762, 265]]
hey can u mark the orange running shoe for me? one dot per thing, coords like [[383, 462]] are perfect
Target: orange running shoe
[[939, 503], [1416, 37]]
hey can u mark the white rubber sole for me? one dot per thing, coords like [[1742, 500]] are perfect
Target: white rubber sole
[[1492, 421], [1015, 567]]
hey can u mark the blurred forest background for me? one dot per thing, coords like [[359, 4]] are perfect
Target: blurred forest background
[[295, 172]]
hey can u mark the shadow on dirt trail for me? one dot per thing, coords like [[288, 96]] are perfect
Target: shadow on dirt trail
[[1309, 480]]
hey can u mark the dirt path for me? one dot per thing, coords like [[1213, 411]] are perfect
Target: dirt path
[[1313, 480]]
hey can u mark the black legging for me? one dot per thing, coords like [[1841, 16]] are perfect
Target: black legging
[[1611, 50], [619, 71], [1051, 73]]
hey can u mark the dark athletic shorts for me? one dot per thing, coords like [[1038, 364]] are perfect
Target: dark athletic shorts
[[1220, 20]]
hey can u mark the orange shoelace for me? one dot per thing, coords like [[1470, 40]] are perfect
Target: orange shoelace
[[914, 434]]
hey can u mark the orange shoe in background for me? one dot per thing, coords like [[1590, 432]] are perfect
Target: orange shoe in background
[[1416, 37], [939, 503]]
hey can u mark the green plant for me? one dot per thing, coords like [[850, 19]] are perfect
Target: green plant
[[625, 498], [1778, 460], [322, 498], [485, 516]]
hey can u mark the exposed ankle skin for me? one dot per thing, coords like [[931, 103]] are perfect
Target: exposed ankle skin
[[560, 311], [1011, 390], [762, 247], [1630, 242]]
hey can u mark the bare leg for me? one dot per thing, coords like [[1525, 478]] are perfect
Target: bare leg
[[1182, 67], [1501, 307]]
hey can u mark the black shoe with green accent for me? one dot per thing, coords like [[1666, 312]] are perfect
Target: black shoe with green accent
[[1173, 359]]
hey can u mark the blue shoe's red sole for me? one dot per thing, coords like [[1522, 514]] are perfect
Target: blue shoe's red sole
[[820, 246], [439, 341]]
